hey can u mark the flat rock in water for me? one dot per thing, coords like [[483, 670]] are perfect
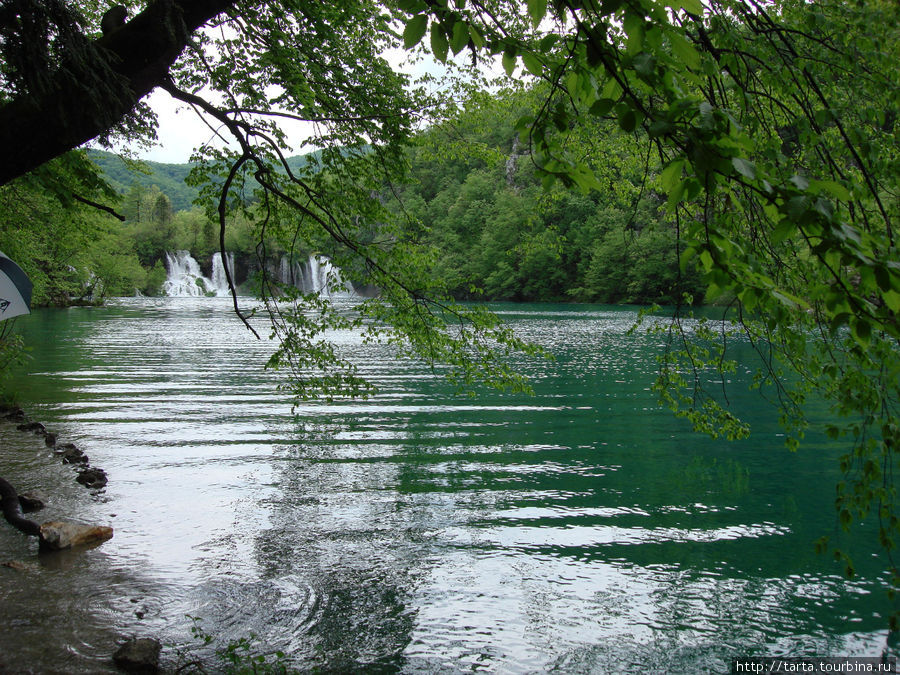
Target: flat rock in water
[[138, 655], [92, 477], [18, 565], [57, 535], [35, 427]]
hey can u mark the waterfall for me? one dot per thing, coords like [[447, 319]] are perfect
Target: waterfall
[[219, 282], [185, 278], [315, 275]]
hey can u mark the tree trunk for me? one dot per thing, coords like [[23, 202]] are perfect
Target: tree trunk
[[12, 510], [87, 97]]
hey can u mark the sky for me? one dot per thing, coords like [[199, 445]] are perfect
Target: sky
[[181, 129]]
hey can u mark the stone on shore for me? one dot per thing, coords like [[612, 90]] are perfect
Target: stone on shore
[[92, 477], [138, 655], [35, 427], [57, 535], [31, 502]]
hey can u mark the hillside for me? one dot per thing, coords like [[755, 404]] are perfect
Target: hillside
[[169, 178]]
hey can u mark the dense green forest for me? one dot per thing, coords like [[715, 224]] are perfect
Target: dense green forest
[[472, 193]]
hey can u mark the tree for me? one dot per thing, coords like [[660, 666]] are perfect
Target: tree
[[775, 143], [769, 127]]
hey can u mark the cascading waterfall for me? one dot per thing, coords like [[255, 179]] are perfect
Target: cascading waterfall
[[186, 280], [315, 275], [219, 279]]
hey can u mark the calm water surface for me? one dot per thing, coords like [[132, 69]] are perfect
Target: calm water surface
[[582, 530]]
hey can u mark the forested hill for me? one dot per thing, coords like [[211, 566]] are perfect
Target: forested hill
[[476, 195], [472, 194], [168, 178]]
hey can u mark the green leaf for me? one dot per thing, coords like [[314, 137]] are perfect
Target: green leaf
[[609, 6], [634, 29], [410, 6], [547, 42], [660, 128], [439, 43], [744, 167], [785, 228], [532, 64], [612, 89], [536, 10], [509, 61], [627, 119], [671, 175], [892, 300], [862, 331], [644, 64], [692, 6], [602, 106], [800, 182], [684, 51], [477, 38], [833, 188], [415, 30], [460, 37]]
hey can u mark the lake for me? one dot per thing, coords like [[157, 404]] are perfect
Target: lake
[[581, 530]]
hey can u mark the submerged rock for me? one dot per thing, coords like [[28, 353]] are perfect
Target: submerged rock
[[71, 454], [31, 502], [17, 565], [92, 478], [138, 655], [16, 415], [57, 535], [35, 427]]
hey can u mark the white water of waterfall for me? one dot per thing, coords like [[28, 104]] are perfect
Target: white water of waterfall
[[315, 275], [219, 281], [186, 279]]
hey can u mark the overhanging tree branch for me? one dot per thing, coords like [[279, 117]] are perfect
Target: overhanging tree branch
[[89, 94]]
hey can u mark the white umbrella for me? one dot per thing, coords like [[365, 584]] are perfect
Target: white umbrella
[[15, 289]]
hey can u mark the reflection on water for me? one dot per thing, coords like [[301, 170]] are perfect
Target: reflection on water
[[581, 530]]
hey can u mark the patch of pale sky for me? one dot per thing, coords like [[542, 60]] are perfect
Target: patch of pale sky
[[181, 129]]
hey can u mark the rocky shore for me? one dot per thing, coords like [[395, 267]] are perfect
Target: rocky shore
[[139, 655], [93, 478]]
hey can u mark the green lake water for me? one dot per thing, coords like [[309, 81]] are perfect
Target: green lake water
[[581, 530]]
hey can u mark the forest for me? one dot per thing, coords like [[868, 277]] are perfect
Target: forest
[[472, 191]]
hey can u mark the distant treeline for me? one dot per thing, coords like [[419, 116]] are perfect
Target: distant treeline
[[473, 194]]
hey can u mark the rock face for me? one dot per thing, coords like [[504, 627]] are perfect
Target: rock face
[[57, 535], [138, 655]]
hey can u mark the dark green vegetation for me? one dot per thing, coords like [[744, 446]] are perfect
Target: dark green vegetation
[[503, 237], [767, 128]]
